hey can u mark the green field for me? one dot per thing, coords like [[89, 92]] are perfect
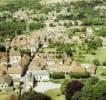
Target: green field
[[4, 95], [100, 55], [55, 94], [3, 2], [49, 49], [101, 69]]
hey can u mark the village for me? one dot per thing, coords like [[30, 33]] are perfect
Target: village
[[40, 68], [52, 48]]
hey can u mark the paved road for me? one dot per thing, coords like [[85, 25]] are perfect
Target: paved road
[[44, 86]]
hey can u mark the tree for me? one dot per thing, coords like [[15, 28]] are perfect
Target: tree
[[72, 87], [32, 95], [99, 91], [92, 81], [65, 48], [94, 43], [92, 92], [35, 25], [63, 85], [86, 92]]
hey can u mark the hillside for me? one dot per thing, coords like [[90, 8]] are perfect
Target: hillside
[[53, 42], [75, 27]]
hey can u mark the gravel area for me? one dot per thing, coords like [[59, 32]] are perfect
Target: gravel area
[[44, 86]]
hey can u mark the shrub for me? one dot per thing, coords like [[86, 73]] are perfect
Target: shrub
[[34, 96], [103, 73], [104, 63], [57, 75], [35, 26], [99, 91], [96, 62], [79, 75], [51, 25], [93, 52], [92, 81]]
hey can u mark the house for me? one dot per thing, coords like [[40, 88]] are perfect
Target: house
[[75, 67], [14, 72], [15, 57], [6, 83], [90, 68], [40, 75], [2, 69]]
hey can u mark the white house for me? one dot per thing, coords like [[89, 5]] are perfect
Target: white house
[[6, 84], [40, 75], [3, 86]]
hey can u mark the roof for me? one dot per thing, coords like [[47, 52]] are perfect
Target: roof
[[2, 68], [14, 70], [39, 72], [6, 79], [23, 40], [75, 67], [87, 65], [37, 61], [30, 68], [75, 64], [14, 52]]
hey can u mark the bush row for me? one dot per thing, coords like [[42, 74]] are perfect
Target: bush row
[[57, 75], [79, 75]]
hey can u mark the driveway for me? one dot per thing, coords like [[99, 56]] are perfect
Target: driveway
[[44, 86]]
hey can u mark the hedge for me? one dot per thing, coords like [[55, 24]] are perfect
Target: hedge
[[57, 75], [79, 75]]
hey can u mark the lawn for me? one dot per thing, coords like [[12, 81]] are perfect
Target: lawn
[[100, 55], [101, 69], [55, 94], [4, 95], [3, 2], [49, 49]]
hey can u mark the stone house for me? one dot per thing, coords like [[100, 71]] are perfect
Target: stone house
[[14, 72], [75, 67], [15, 57]]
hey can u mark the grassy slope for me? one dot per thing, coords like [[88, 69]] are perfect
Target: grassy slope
[[4, 95], [3, 2], [100, 55], [55, 94], [101, 69]]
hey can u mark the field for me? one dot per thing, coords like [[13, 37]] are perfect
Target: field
[[55, 94], [3, 2], [49, 49], [4, 95], [101, 69], [100, 55]]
